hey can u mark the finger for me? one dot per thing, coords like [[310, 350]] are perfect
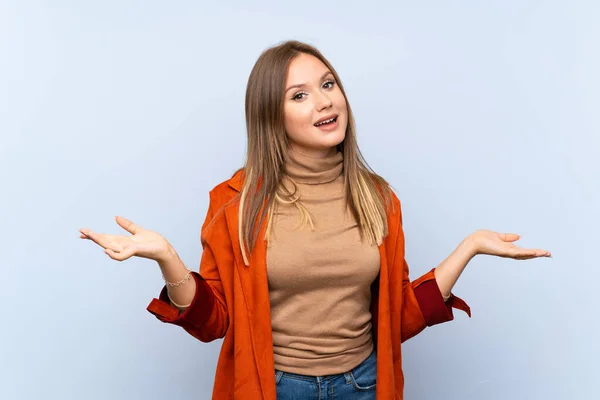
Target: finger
[[510, 237], [525, 254], [544, 253], [540, 253], [127, 225], [118, 256], [104, 241], [83, 233], [523, 258], [94, 237], [113, 254]]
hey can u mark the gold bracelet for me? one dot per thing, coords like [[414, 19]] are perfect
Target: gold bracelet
[[181, 282], [179, 306]]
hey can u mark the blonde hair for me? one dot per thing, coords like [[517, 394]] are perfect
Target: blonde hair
[[367, 194]]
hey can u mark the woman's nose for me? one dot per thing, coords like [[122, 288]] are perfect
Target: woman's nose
[[323, 101]]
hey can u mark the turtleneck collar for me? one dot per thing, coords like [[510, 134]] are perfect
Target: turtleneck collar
[[306, 169]]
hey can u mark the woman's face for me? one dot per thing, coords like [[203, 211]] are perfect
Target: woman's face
[[312, 97]]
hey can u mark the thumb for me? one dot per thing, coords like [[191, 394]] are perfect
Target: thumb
[[127, 225], [510, 237]]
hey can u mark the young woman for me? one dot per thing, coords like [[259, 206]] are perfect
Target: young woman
[[303, 271]]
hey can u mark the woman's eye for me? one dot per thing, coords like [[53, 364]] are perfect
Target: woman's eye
[[299, 96], [328, 84]]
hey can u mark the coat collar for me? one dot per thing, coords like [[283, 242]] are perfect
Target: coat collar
[[236, 181]]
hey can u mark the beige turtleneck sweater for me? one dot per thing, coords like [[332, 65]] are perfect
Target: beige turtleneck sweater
[[319, 281]]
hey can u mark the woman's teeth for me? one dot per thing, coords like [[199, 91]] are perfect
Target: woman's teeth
[[326, 121]]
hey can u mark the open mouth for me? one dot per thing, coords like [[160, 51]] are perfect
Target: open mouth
[[327, 122]]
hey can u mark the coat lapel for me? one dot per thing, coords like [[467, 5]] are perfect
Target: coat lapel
[[254, 282], [382, 325]]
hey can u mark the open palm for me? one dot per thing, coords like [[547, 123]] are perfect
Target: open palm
[[141, 243], [501, 245]]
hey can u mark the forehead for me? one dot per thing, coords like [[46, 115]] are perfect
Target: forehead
[[305, 68]]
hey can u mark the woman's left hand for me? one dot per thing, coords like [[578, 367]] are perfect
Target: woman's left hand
[[501, 245]]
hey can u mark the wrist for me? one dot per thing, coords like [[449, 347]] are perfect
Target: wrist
[[470, 245], [166, 256]]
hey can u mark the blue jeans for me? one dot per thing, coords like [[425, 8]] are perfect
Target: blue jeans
[[356, 384]]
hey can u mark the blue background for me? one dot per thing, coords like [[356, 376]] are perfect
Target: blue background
[[480, 114]]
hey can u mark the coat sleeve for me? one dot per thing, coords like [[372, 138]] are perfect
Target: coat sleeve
[[422, 301], [207, 316]]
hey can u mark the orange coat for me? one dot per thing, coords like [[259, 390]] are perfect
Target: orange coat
[[232, 301]]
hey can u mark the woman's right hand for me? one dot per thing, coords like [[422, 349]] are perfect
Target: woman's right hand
[[141, 243]]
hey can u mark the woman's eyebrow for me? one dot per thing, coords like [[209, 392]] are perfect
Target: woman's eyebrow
[[299, 85]]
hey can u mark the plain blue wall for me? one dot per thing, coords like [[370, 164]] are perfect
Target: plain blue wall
[[480, 114]]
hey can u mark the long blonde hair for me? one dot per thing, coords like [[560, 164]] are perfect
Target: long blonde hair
[[367, 194]]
